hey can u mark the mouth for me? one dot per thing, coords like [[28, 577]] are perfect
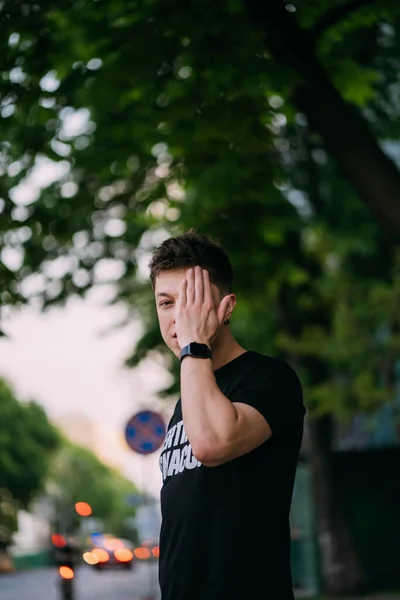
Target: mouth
[[174, 336]]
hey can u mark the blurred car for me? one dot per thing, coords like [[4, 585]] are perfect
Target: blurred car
[[110, 552]]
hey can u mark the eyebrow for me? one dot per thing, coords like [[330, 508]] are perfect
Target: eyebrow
[[164, 294]]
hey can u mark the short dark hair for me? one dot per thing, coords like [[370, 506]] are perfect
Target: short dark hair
[[189, 250]]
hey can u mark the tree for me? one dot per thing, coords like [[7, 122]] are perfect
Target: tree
[[162, 88], [346, 135], [203, 100], [78, 475], [27, 443]]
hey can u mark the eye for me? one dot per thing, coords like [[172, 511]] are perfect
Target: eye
[[165, 303]]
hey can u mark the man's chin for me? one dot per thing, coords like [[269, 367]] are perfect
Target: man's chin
[[176, 350], [175, 347]]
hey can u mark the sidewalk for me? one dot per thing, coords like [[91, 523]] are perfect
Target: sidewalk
[[392, 596], [377, 597], [389, 596]]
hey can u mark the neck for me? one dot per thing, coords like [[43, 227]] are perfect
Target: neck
[[224, 349]]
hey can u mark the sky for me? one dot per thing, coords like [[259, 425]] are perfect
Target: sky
[[62, 360]]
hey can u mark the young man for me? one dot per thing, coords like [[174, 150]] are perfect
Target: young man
[[230, 454]]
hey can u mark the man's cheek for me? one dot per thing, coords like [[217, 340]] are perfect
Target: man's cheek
[[164, 330]]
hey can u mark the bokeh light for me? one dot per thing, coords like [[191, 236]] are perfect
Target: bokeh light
[[142, 553], [83, 509], [113, 544], [66, 572], [101, 554], [123, 554], [90, 558], [58, 540]]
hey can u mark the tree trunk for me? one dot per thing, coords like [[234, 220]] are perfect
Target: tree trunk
[[341, 569], [345, 133]]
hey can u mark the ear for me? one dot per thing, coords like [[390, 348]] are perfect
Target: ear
[[226, 307]]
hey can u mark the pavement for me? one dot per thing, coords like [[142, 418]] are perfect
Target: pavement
[[367, 597], [41, 584], [139, 584], [376, 597]]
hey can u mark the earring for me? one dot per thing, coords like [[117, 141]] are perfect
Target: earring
[[226, 322]]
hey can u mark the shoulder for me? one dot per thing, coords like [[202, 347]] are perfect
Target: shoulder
[[273, 375], [269, 368], [272, 387]]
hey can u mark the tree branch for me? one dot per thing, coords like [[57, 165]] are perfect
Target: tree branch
[[345, 132], [337, 14]]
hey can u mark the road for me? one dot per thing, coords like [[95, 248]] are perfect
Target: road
[[138, 584]]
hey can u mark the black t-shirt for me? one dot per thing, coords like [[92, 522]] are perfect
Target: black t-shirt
[[225, 530]]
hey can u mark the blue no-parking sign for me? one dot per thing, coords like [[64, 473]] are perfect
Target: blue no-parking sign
[[145, 432]]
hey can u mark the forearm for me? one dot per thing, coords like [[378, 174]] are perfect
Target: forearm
[[209, 417]]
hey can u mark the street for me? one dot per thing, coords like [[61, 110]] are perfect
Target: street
[[138, 584]]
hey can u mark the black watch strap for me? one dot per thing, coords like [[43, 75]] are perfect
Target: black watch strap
[[196, 350]]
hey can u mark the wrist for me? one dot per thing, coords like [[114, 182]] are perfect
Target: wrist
[[196, 350], [185, 342], [191, 364]]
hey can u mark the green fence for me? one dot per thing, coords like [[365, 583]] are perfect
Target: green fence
[[33, 560], [305, 564]]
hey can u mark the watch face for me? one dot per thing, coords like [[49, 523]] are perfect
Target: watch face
[[200, 350]]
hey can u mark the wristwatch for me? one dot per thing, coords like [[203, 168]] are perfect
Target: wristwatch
[[196, 350]]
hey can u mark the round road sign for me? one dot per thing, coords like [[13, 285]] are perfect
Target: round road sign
[[145, 432]]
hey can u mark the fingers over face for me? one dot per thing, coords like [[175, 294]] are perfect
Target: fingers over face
[[190, 291], [208, 297], [198, 285], [182, 293]]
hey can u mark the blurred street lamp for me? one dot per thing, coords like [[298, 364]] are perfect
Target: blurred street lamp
[[83, 509]]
